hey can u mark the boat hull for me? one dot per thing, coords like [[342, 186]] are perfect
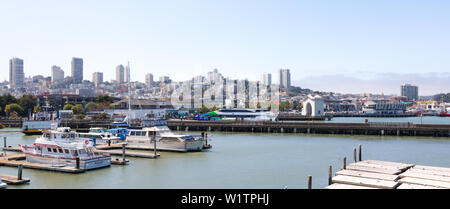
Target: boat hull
[[87, 164], [30, 132]]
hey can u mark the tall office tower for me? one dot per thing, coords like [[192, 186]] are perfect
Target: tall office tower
[[16, 75], [120, 74], [410, 91], [97, 78], [126, 74], [284, 78], [57, 74], [149, 79], [266, 79], [164, 79], [77, 70]]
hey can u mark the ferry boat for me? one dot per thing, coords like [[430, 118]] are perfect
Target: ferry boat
[[238, 114], [37, 127], [60, 148], [165, 139], [100, 135]]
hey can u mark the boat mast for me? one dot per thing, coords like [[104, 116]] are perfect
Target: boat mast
[[129, 93]]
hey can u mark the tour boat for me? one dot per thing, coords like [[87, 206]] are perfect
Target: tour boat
[[100, 135], [62, 147], [37, 127], [165, 139]]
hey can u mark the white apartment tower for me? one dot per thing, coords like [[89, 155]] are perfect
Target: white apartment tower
[[97, 78], [16, 74], [266, 79], [284, 78], [120, 74], [57, 74], [149, 79], [77, 70]]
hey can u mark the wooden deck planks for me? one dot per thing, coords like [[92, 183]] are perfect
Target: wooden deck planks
[[40, 166], [371, 175], [432, 168], [430, 172], [415, 186], [401, 165], [347, 186], [373, 170], [358, 181], [411, 173], [425, 182], [388, 167], [13, 180]]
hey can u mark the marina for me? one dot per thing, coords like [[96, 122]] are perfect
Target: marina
[[297, 156]]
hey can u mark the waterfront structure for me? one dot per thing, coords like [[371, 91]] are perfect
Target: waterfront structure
[[141, 108], [149, 79], [410, 91], [284, 78], [57, 74], [313, 106], [120, 74], [77, 70], [266, 79], [97, 78], [383, 107], [16, 75]]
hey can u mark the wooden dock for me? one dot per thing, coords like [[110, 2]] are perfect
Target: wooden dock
[[128, 153], [390, 175], [14, 180], [64, 169]]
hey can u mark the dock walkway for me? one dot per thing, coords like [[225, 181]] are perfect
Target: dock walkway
[[374, 174]]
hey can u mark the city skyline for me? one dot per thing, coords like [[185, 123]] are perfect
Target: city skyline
[[317, 41]]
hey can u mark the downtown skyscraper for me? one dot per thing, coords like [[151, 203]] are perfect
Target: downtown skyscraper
[[77, 70], [16, 74], [120, 74], [57, 74], [284, 78]]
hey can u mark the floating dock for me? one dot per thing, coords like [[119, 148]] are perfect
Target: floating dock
[[64, 169], [14, 180], [128, 153]]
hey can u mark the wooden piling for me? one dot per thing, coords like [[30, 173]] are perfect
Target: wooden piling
[[154, 142], [345, 163], [4, 142], [354, 155], [123, 152], [309, 182], [19, 172], [360, 153], [330, 175]]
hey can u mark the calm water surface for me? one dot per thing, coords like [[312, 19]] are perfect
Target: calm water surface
[[242, 160]]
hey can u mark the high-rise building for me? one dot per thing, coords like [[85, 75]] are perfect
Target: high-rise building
[[126, 74], [164, 79], [77, 70], [120, 74], [16, 74], [266, 79], [410, 91], [149, 79], [57, 74], [284, 78], [97, 78]]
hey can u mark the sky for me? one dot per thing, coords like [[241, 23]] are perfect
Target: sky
[[346, 46]]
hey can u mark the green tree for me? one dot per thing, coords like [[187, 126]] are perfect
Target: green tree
[[67, 107], [6, 100], [285, 106], [37, 109], [101, 116], [92, 106], [27, 102], [13, 108], [78, 109]]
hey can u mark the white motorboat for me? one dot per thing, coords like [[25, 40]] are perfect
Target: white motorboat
[[62, 148], [2, 185], [100, 135], [165, 139]]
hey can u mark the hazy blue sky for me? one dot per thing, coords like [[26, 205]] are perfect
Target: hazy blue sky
[[355, 39]]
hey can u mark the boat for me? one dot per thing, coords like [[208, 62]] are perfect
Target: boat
[[444, 114], [100, 136], [2, 185], [61, 147], [37, 127], [238, 114], [165, 139]]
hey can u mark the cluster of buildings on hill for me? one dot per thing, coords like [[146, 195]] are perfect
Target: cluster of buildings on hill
[[155, 97]]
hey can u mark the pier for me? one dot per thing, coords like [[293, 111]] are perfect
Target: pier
[[370, 128], [375, 174]]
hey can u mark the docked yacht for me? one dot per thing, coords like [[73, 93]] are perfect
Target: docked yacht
[[61, 148], [100, 135], [165, 139]]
